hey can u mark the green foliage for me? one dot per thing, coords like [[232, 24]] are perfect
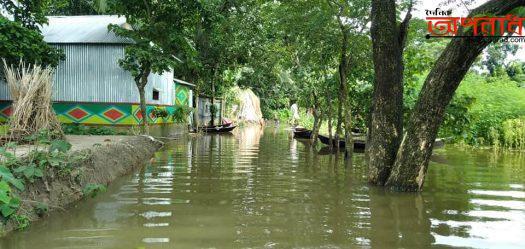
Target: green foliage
[[60, 146], [92, 190], [28, 13], [42, 137], [16, 172], [30, 172], [7, 176], [78, 129], [283, 115], [483, 111], [22, 221], [8, 202], [78, 7], [497, 100], [181, 114], [20, 43], [497, 53], [513, 133], [457, 119], [3, 129], [155, 27], [160, 113]]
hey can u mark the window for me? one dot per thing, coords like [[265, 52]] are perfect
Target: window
[[156, 94]]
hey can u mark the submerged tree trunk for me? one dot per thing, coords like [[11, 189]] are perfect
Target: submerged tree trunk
[[410, 168], [343, 94], [316, 123], [339, 125], [330, 124], [315, 133], [412, 159], [213, 110], [317, 119], [386, 121], [349, 140]]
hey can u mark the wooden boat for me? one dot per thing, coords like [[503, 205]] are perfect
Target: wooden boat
[[358, 144], [218, 129], [302, 133]]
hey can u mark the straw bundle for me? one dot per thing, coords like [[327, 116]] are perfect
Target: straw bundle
[[31, 92]]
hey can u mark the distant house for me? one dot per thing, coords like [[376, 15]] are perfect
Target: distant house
[[205, 110], [90, 87]]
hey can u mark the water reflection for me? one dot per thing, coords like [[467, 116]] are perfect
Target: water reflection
[[260, 188]]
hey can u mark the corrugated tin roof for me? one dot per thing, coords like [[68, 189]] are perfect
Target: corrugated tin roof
[[82, 29], [182, 82]]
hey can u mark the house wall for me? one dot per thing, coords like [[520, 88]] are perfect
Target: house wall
[[90, 88], [91, 74], [205, 113], [108, 113]]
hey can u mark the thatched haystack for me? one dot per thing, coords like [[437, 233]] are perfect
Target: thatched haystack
[[32, 112], [248, 108]]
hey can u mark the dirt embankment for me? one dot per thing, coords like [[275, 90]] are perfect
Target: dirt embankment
[[100, 164]]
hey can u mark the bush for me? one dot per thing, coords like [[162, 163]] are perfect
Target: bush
[[484, 111]]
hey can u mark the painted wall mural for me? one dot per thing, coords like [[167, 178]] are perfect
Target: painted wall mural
[[98, 113], [108, 114], [182, 94]]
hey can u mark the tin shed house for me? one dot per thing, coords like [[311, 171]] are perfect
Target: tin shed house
[[89, 85]]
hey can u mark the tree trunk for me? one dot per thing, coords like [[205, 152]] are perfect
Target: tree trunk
[[212, 107], [343, 92], [143, 112], [338, 128], [196, 112], [141, 83], [410, 168], [349, 148], [386, 122], [330, 125], [412, 159], [315, 133], [315, 129]]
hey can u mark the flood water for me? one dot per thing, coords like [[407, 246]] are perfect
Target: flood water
[[262, 189]]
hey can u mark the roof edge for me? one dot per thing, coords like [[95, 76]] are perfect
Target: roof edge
[[184, 82]]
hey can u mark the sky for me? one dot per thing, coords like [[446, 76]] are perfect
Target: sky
[[459, 11]]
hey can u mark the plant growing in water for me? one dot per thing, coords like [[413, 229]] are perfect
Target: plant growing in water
[[92, 190]]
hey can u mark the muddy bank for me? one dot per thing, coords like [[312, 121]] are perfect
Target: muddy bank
[[98, 165]]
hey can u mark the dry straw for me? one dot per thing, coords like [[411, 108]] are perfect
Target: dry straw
[[31, 91]]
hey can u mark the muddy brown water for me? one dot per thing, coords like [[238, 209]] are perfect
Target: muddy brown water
[[262, 189]]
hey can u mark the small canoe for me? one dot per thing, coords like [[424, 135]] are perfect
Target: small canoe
[[218, 129], [302, 133], [358, 144]]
